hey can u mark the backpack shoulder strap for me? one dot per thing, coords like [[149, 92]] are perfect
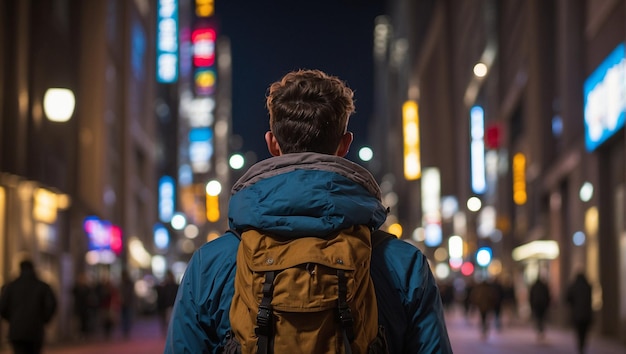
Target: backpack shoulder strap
[[379, 237]]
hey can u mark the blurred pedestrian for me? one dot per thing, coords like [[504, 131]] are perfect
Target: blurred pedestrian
[[498, 293], [539, 304], [509, 299], [28, 304], [467, 301], [127, 303], [579, 300], [166, 295], [446, 289], [109, 305], [85, 304], [483, 297]]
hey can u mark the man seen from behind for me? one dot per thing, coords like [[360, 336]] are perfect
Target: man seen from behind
[[28, 304], [309, 188]]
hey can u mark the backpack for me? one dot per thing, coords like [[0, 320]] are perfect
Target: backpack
[[305, 295]]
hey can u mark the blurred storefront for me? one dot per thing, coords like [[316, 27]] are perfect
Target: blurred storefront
[[31, 225]]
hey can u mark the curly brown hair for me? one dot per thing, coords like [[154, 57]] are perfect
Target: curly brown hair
[[309, 111]]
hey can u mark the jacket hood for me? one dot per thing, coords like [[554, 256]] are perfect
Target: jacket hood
[[305, 194]]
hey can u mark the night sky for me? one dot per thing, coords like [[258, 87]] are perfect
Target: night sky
[[272, 37]]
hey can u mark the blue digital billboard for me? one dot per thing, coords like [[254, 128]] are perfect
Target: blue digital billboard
[[605, 99]]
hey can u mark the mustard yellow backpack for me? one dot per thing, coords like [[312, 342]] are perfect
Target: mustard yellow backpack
[[305, 295]]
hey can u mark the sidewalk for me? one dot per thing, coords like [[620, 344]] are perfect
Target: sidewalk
[[146, 338], [519, 338], [514, 338]]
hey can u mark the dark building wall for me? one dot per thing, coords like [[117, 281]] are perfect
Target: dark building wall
[[15, 24]]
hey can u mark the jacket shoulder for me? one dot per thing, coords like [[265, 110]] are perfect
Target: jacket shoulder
[[224, 246]]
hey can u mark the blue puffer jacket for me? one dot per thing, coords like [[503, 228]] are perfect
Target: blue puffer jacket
[[309, 194]]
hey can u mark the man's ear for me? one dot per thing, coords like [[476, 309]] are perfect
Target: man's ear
[[344, 144], [272, 144]]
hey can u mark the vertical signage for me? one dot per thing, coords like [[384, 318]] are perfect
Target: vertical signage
[[519, 179], [411, 135], [477, 149], [431, 206], [201, 113], [167, 199], [167, 41], [203, 41]]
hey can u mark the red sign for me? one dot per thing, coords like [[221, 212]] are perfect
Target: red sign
[[493, 136], [203, 40]]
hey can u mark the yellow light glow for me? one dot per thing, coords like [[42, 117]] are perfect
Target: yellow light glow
[[205, 8], [395, 229], [138, 253], [63, 201], [495, 268], [540, 249], [441, 254], [592, 221], [212, 236], [45, 209], [519, 179], [212, 208], [205, 79]]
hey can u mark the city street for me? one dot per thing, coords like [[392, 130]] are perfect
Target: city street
[[465, 337], [519, 338]]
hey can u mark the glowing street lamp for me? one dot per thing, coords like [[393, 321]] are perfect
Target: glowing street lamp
[[58, 104], [236, 161], [366, 153]]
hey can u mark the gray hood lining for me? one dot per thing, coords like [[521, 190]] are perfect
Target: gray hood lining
[[308, 161]]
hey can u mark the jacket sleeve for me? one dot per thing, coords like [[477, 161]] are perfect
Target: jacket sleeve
[[428, 321], [199, 319], [408, 299]]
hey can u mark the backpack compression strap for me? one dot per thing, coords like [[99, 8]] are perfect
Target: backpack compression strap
[[264, 316], [345, 315]]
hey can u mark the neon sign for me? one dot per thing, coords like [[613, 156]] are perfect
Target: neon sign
[[203, 40], [167, 41], [103, 236]]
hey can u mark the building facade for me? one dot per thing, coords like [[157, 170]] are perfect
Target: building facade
[[100, 164]]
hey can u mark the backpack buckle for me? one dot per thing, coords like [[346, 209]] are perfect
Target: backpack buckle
[[263, 320], [345, 316]]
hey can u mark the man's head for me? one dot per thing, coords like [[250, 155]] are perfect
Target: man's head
[[27, 266], [309, 112]]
